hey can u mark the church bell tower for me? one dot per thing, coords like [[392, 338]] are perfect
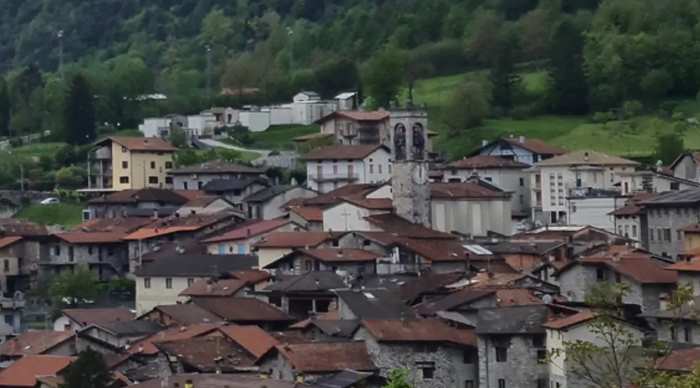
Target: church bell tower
[[409, 180]]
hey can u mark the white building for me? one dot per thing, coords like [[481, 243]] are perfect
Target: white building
[[255, 121], [520, 149], [351, 214], [555, 179], [594, 208], [155, 127], [202, 124], [328, 168], [507, 174]]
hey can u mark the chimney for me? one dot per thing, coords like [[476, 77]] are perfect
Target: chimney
[[521, 139]]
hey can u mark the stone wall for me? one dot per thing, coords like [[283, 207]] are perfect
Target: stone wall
[[521, 368]]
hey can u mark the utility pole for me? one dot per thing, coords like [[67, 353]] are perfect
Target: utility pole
[[60, 52], [208, 49], [21, 177]]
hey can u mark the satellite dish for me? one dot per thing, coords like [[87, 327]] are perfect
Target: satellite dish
[[547, 299]]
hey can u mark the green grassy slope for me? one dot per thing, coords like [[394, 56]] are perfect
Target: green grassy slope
[[66, 214], [635, 137]]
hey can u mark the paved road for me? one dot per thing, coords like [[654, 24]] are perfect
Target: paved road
[[284, 159]]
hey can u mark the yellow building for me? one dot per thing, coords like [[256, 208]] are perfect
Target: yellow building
[[123, 163]]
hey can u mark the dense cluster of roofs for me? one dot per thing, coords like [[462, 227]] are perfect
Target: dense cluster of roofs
[[467, 275]]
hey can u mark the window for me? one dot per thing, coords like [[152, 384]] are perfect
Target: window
[[335, 169], [57, 250], [468, 383], [168, 283], [153, 180], [168, 164], [679, 235], [675, 186], [522, 182], [469, 356], [600, 274], [667, 235], [541, 356], [146, 282], [190, 281], [371, 168], [674, 334], [427, 369], [501, 383], [123, 179], [153, 164], [501, 354], [71, 253], [659, 234], [125, 164], [521, 198], [651, 234], [541, 383], [168, 180], [688, 334], [538, 341], [123, 149], [110, 251], [6, 265], [379, 168], [634, 231]]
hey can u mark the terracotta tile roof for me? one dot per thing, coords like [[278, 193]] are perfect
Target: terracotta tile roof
[[219, 287], [485, 162], [142, 195], [341, 255], [119, 224], [505, 297], [249, 229], [251, 276], [693, 228], [690, 265], [465, 190], [293, 239], [98, 315], [428, 283], [17, 227], [217, 167], [680, 360], [586, 158], [91, 237], [172, 225], [371, 203], [209, 354], [324, 357], [23, 372], [190, 194], [252, 338], [536, 145], [357, 191], [418, 330], [571, 320], [314, 281], [146, 144], [309, 213], [187, 314], [147, 347], [9, 240], [637, 265], [242, 310], [393, 223], [627, 210], [34, 342], [441, 247], [490, 280], [343, 152], [202, 201], [356, 115]]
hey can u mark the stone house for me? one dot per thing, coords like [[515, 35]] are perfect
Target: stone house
[[687, 166], [330, 167], [435, 354], [627, 220], [270, 203], [235, 190], [507, 174], [205, 204], [374, 303], [665, 217], [197, 176], [653, 181], [577, 327], [124, 163], [308, 217], [309, 362], [120, 334], [677, 326], [304, 295], [77, 319], [45, 342], [512, 347], [646, 277], [16, 270], [105, 253], [357, 127], [241, 238]]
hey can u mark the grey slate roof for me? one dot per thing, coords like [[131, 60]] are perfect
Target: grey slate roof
[[224, 185], [337, 328], [187, 265], [683, 197], [268, 193], [512, 320], [376, 304], [344, 379], [131, 328], [309, 282]]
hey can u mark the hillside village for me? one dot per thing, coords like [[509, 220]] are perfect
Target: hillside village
[[479, 272]]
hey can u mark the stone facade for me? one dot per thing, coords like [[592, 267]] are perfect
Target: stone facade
[[664, 226], [106, 260], [521, 367], [449, 369], [411, 191]]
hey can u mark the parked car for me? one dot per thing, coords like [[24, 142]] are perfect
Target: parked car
[[50, 201]]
